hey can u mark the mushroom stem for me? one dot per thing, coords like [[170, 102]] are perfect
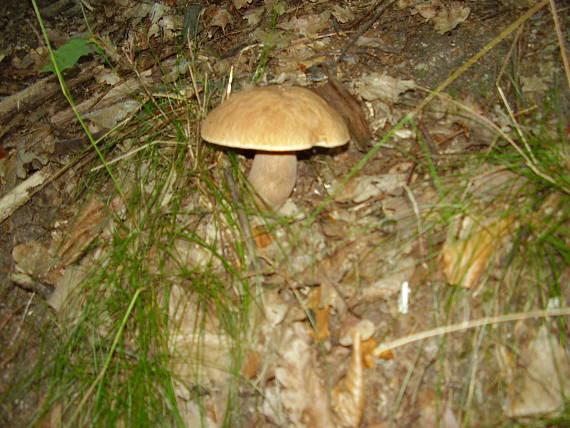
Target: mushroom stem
[[273, 176]]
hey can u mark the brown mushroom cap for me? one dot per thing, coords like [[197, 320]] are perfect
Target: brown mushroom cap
[[275, 118]]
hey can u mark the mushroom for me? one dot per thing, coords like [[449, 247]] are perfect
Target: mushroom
[[276, 121]]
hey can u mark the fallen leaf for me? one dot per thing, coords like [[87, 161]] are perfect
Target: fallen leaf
[[361, 188], [546, 379], [218, 16], [444, 16], [342, 14], [261, 237], [253, 16], [33, 259], [302, 392], [432, 413], [308, 25], [251, 364], [376, 85], [469, 245], [347, 397], [238, 4], [86, 227], [321, 315]]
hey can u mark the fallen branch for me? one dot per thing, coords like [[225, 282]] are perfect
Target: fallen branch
[[22, 193], [35, 93]]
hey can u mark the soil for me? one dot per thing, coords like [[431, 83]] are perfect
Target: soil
[[409, 49]]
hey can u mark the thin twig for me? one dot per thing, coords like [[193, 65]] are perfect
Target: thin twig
[[465, 325]]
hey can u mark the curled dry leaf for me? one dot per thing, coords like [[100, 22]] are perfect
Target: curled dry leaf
[[469, 245], [368, 356], [347, 397], [321, 313], [302, 392], [251, 364]]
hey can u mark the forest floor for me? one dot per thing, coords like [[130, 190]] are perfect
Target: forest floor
[[143, 286]]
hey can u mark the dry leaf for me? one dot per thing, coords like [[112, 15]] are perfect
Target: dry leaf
[[469, 245], [302, 392], [251, 364], [428, 408], [86, 227], [391, 284], [253, 16], [308, 25], [261, 237], [347, 397], [321, 315], [546, 380], [361, 188], [238, 4], [33, 259], [218, 16], [350, 108], [342, 14], [376, 85], [369, 356], [444, 16]]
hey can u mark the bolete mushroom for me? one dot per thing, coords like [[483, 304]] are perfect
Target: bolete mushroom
[[276, 121]]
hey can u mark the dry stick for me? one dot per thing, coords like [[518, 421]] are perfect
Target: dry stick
[[22, 193], [560, 41], [439, 331]]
